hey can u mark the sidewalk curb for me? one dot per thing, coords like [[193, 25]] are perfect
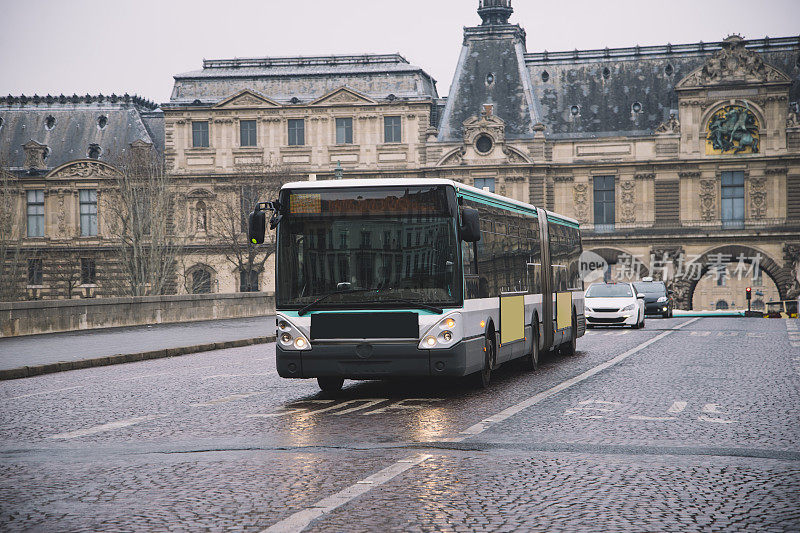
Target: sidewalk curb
[[63, 366]]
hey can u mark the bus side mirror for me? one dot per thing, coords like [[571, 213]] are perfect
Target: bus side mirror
[[470, 230], [257, 226]]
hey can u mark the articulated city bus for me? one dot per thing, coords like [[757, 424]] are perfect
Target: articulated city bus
[[417, 277]]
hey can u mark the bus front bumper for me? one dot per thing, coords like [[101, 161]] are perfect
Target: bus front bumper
[[378, 361]]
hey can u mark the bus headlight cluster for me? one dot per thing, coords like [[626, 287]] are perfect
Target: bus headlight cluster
[[443, 334], [290, 337]]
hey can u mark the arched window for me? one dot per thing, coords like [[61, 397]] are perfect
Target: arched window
[[201, 212], [201, 281], [721, 305]]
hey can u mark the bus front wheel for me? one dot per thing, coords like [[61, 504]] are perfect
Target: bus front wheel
[[484, 377], [330, 384]]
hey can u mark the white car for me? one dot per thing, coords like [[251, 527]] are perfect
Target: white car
[[614, 304]]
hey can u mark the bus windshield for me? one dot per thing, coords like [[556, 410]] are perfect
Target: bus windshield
[[400, 241]]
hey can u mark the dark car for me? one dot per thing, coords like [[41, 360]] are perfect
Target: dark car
[[657, 299]]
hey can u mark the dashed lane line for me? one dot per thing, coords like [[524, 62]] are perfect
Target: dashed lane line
[[42, 392], [226, 399], [104, 427], [301, 519]]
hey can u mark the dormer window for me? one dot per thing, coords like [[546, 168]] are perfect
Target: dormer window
[[94, 151], [49, 122], [102, 120]]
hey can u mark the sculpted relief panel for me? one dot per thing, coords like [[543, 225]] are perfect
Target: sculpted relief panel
[[733, 129]]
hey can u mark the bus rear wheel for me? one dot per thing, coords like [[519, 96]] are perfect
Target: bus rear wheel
[[572, 346], [330, 384], [531, 361]]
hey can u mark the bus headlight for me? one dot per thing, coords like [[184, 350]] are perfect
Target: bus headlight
[[290, 337], [443, 334]]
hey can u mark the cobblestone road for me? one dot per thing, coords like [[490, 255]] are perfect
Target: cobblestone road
[[661, 429]]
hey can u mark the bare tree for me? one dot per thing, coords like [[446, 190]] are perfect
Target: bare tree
[[67, 274], [250, 185], [11, 257], [139, 216]]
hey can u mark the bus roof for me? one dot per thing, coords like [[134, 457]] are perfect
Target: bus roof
[[394, 182]]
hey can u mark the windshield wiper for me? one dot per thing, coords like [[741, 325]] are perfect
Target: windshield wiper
[[307, 308], [415, 303]]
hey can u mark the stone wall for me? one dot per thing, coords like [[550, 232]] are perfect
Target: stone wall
[[49, 316]]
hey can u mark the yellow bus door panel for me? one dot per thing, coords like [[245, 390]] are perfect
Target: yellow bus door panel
[[512, 318], [563, 310]]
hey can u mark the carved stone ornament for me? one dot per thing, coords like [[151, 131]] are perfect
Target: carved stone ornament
[[35, 154], [628, 197], [484, 123], [791, 254], [733, 62], [246, 100], [671, 126], [85, 169], [580, 197], [456, 157], [514, 156], [732, 129], [793, 118], [708, 199], [758, 197]]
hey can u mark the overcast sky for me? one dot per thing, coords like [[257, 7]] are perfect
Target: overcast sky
[[91, 46]]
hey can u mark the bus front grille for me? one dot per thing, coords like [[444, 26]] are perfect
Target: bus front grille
[[330, 326]]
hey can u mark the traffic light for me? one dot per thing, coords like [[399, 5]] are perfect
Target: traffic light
[[748, 293]]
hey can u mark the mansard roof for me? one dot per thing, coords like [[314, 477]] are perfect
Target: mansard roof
[[305, 79], [68, 126], [602, 85]]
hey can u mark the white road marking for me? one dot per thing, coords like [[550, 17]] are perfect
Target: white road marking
[[226, 399], [617, 333], [651, 418], [756, 335], [727, 333], [401, 404], [677, 407], [104, 427], [289, 410], [485, 424], [42, 392], [142, 376], [368, 404], [699, 333], [234, 376], [713, 409], [301, 519]]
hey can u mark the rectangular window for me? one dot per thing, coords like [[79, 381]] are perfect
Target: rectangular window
[[248, 281], [88, 206], [297, 132], [34, 271], [247, 133], [733, 198], [344, 131], [200, 133], [88, 271], [486, 184], [603, 203], [36, 213], [391, 130]]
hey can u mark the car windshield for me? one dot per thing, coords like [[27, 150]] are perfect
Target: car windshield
[[610, 290], [651, 287], [399, 241]]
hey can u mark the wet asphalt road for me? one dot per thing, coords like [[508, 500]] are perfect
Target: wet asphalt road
[[696, 428]]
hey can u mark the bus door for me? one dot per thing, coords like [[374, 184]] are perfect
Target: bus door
[[547, 289]]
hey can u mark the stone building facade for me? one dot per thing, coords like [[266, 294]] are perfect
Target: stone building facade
[[680, 161]]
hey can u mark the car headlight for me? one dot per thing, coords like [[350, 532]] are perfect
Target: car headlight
[[662, 299], [630, 307], [443, 334], [589, 309]]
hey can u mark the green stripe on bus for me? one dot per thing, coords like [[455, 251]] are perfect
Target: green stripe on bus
[[494, 202], [561, 221], [294, 314]]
